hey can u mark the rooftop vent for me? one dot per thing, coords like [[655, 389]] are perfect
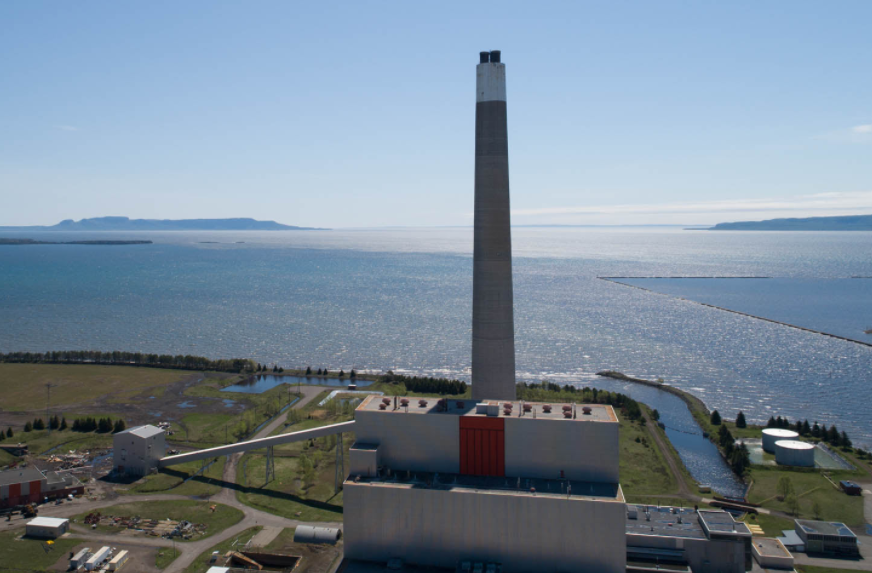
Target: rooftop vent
[[567, 414], [404, 401], [567, 408], [528, 407], [587, 410], [386, 401], [422, 403], [508, 406], [382, 406], [546, 408], [507, 411]]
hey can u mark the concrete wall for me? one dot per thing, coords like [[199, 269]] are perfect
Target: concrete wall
[[585, 451], [443, 527], [703, 555], [363, 460], [416, 442], [138, 455]]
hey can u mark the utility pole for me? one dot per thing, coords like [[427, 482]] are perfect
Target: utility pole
[[48, 405]]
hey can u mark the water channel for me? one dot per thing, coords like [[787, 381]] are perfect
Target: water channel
[[700, 455]]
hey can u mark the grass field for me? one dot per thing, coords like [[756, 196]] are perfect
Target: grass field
[[30, 554], [194, 511], [810, 487], [772, 525], [24, 384], [201, 563], [40, 441], [172, 480], [643, 468]]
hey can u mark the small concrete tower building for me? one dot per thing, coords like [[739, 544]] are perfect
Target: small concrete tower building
[[493, 323]]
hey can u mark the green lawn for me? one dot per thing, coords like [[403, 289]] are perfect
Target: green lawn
[[194, 511], [172, 480], [39, 441], [772, 525], [165, 556], [813, 569], [283, 540], [643, 468], [30, 554], [809, 486], [201, 563], [79, 384]]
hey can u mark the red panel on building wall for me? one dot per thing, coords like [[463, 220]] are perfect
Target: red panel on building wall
[[36, 491], [482, 446], [14, 493]]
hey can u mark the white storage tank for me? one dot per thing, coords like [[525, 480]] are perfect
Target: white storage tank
[[794, 453], [772, 435]]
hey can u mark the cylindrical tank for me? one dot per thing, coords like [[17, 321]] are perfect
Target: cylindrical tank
[[794, 453], [772, 435]]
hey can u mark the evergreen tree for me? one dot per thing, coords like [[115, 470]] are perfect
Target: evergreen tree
[[845, 442], [281, 369], [104, 425], [324, 372], [655, 415], [771, 422], [9, 433], [77, 426], [64, 423], [715, 418], [816, 431], [319, 372], [806, 429], [341, 373], [353, 373], [54, 423], [308, 370], [120, 426], [28, 427], [779, 423], [740, 420], [38, 424], [275, 367], [833, 435]]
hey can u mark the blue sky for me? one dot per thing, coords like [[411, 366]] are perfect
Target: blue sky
[[361, 113]]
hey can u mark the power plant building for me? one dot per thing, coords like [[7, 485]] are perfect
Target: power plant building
[[494, 482]]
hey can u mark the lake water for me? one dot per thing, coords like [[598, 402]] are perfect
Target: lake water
[[262, 383], [834, 305], [400, 299]]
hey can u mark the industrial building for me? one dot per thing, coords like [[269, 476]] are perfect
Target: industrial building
[[794, 453], [829, 537], [498, 483], [79, 559], [772, 435], [98, 558], [47, 527], [771, 554], [704, 541], [22, 486], [137, 451]]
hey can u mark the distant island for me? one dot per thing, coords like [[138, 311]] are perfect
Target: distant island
[[34, 242], [844, 223], [127, 224]]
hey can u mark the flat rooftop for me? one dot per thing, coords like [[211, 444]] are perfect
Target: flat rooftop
[[825, 528], [770, 547], [468, 407], [723, 522], [495, 485], [664, 521]]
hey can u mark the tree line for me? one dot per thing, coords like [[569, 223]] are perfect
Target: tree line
[[122, 358], [426, 384], [831, 436], [102, 426], [737, 456]]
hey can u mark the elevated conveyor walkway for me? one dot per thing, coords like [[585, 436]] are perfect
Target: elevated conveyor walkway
[[257, 444]]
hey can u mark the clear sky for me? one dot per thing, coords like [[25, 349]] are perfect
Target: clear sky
[[362, 113]]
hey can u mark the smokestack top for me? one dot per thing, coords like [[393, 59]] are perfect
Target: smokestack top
[[490, 78], [492, 57]]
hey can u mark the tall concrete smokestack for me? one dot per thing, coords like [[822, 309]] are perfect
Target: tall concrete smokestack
[[493, 323]]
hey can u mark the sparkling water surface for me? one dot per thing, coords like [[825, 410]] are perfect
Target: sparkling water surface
[[400, 299]]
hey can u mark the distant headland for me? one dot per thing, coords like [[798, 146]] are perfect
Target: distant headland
[[843, 223], [34, 242], [127, 224]]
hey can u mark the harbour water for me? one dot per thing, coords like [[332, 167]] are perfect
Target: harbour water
[[399, 299]]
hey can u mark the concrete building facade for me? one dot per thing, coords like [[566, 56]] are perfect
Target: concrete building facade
[[440, 482], [493, 322], [137, 451]]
